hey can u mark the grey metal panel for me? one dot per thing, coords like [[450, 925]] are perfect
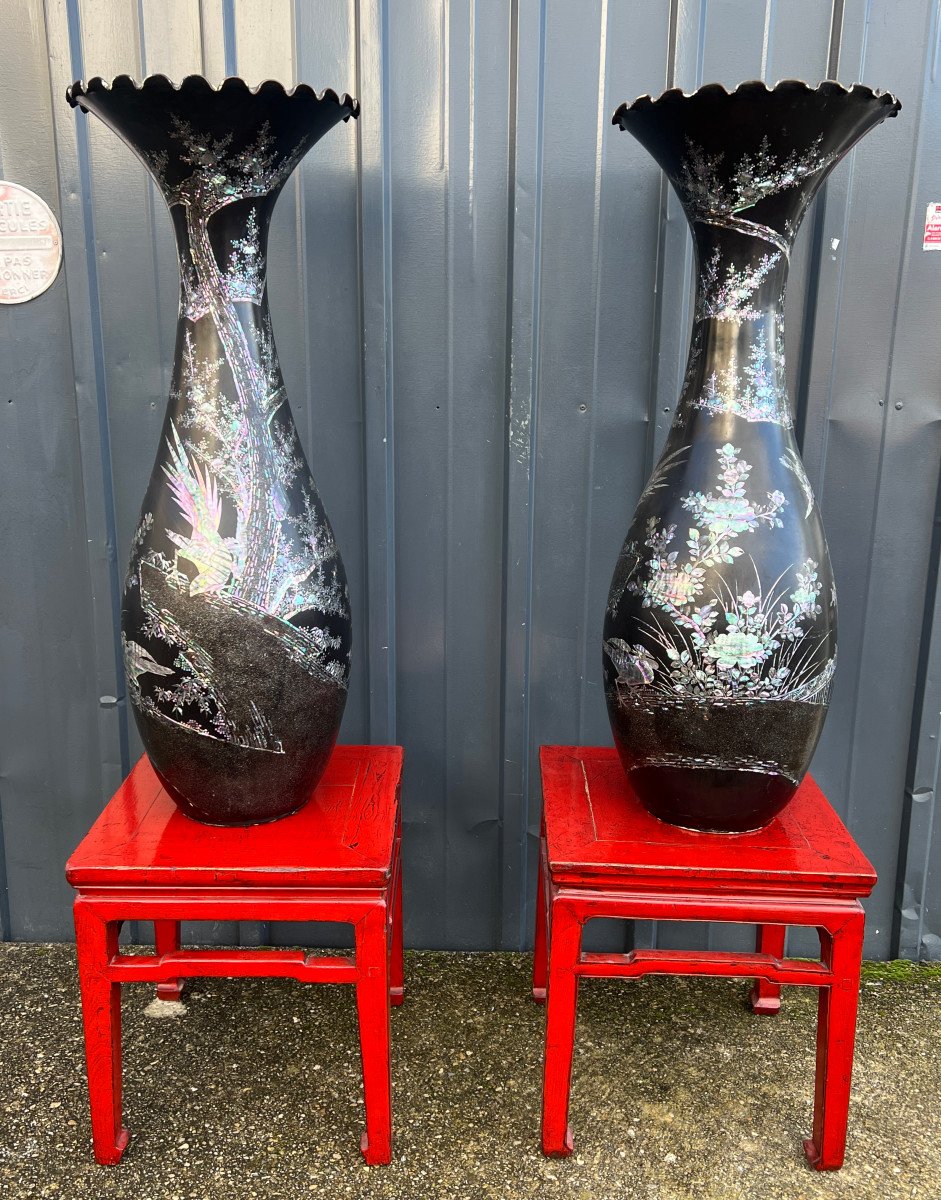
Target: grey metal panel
[[917, 927], [51, 768], [330, 393], [524, 223], [481, 295], [448, 200], [375, 321], [916, 382], [133, 317], [477, 150]]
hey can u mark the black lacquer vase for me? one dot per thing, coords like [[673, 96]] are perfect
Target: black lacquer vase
[[235, 618], [720, 632]]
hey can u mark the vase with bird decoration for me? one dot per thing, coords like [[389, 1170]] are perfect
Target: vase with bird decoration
[[720, 630], [235, 619]]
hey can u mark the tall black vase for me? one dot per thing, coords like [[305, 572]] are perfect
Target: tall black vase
[[720, 633], [236, 619]]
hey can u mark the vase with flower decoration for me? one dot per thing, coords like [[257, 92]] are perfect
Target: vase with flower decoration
[[720, 631]]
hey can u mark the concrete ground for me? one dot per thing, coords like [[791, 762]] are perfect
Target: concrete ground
[[252, 1090]]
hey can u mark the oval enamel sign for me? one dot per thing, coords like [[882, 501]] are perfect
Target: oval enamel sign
[[30, 244]]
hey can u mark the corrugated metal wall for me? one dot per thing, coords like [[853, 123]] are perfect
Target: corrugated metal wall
[[481, 299]]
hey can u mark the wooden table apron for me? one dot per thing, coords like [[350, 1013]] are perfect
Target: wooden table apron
[[376, 969], [630, 892]]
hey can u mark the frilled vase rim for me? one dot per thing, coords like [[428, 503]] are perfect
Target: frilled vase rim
[[194, 83], [753, 87]]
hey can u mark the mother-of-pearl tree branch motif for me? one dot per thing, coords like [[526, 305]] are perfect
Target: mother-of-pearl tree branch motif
[[714, 196], [758, 393], [231, 461], [730, 299], [243, 278], [220, 177], [731, 644], [754, 393]]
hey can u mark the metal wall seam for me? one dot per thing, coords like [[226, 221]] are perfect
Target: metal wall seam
[[374, 202], [914, 934], [524, 292], [78, 234]]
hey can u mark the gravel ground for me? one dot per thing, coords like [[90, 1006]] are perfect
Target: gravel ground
[[251, 1089]]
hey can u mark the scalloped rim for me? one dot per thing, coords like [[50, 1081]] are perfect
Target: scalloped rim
[[753, 86], [75, 91]]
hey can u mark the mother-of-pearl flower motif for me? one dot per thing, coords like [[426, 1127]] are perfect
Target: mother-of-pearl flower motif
[[721, 643]]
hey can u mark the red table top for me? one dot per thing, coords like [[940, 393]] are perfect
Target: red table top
[[342, 837], [596, 826]]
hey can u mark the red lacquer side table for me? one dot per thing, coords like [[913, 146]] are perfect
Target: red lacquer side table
[[338, 859], [604, 855]]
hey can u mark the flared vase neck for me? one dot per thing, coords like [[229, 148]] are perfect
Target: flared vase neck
[[745, 166], [220, 156], [751, 160], [208, 147], [760, 193]]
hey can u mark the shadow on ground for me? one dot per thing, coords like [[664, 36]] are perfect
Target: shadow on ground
[[253, 1090]]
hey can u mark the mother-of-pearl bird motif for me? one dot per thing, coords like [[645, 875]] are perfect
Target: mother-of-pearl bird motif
[[197, 497], [139, 661]]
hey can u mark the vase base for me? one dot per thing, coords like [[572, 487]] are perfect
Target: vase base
[[716, 768], [712, 799], [195, 814], [219, 783]]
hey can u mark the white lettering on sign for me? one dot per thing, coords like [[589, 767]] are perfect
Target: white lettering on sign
[[30, 244], [932, 227]]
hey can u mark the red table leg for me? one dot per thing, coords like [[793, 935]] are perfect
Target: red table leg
[[167, 941], [765, 996], [842, 952], [564, 939], [397, 962], [97, 943], [372, 1002], [540, 959]]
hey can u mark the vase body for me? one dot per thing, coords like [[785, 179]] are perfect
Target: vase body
[[235, 620], [720, 630]]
